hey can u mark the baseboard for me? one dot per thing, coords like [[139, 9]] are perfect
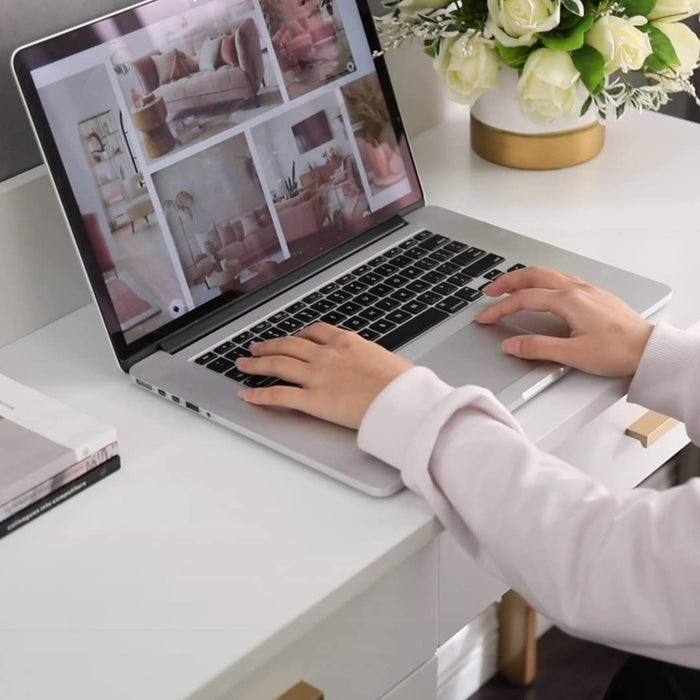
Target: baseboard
[[469, 659]]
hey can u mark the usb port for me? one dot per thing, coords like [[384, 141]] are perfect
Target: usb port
[[192, 407], [176, 399], [145, 385]]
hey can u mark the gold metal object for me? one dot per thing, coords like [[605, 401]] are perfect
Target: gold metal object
[[517, 639], [302, 691], [650, 427], [546, 151]]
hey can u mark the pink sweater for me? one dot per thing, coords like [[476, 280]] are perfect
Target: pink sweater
[[620, 569]]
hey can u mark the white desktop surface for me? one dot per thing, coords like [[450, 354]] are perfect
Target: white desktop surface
[[206, 554]]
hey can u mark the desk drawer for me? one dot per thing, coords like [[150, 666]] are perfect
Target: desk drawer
[[367, 647]]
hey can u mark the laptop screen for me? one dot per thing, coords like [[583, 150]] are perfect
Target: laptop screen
[[203, 149]]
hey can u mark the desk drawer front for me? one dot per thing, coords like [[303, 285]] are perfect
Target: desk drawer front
[[420, 685], [367, 647]]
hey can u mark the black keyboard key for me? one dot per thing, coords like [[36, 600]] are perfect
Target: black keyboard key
[[415, 253], [411, 329], [271, 334], [294, 308], [371, 313], [236, 374], [383, 326], [365, 299], [349, 308], [334, 318], [429, 298], [323, 306], [367, 334], [354, 324], [493, 275], [354, 287], [206, 358], [362, 270], [346, 279], [264, 325], [236, 353], [250, 340], [339, 296], [414, 307], [258, 381], [451, 304], [289, 325], [392, 252], [440, 255], [387, 304], [407, 245], [426, 264], [469, 294], [311, 299], [398, 316], [517, 266], [418, 286], [483, 286], [447, 268], [370, 278], [386, 270], [402, 294], [331, 287], [433, 277], [379, 260], [480, 266], [221, 365], [412, 272], [225, 347], [242, 338], [468, 256], [433, 242], [444, 289], [459, 280], [401, 261], [396, 281], [456, 246], [280, 316], [381, 290], [306, 316], [422, 236]]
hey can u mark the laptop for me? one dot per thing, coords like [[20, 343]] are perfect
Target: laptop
[[234, 170]]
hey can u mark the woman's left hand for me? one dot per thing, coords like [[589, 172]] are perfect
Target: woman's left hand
[[338, 373]]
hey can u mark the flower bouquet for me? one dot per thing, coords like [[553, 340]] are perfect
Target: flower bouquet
[[572, 57]]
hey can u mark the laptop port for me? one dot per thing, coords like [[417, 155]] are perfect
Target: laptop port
[[176, 399], [192, 407], [161, 392], [145, 385]]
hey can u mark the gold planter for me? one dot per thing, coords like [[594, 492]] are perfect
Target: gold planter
[[544, 151]]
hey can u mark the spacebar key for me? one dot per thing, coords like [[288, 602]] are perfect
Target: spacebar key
[[412, 329]]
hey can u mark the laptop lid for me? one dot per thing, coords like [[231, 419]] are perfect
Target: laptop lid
[[209, 154]]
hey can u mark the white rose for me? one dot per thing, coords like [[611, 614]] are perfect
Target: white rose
[[687, 47], [549, 86], [469, 67], [515, 22], [624, 47], [417, 5], [674, 10]]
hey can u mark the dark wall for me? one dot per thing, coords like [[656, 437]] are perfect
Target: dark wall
[[23, 21]]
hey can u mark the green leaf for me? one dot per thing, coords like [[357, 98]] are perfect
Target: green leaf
[[572, 39], [514, 56], [431, 49], [637, 7], [663, 54], [586, 105], [590, 64]]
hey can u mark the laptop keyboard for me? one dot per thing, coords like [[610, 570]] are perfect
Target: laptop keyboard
[[391, 299]]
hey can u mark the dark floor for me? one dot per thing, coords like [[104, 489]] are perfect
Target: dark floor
[[567, 668]]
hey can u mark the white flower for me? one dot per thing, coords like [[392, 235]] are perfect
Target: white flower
[[687, 47], [624, 47], [549, 86], [469, 66], [418, 5], [515, 22], [674, 10]]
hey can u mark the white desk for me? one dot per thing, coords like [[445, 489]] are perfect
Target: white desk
[[207, 555]]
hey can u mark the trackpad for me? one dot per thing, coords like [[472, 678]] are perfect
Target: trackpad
[[473, 355]]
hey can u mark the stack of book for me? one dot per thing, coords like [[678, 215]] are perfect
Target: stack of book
[[49, 452]]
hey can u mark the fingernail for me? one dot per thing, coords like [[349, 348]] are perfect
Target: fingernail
[[243, 394], [512, 346], [241, 361]]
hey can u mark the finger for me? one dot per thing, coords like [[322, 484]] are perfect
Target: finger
[[321, 333], [282, 396], [529, 277], [287, 368], [291, 346], [531, 300], [565, 351]]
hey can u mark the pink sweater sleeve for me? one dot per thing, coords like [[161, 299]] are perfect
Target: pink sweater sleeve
[[622, 569]]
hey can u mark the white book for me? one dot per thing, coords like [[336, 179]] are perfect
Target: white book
[[41, 437]]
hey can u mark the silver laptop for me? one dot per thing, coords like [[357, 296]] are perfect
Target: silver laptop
[[234, 170]]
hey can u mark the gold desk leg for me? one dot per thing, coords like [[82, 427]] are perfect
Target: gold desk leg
[[517, 639]]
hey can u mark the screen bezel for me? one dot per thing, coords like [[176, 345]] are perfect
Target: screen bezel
[[223, 309]]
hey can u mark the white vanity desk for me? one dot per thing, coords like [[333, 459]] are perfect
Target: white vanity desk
[[212, 567]]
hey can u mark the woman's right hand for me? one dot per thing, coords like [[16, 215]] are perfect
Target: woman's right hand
[[607, 336]]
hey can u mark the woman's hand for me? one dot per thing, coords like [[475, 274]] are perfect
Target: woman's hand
[[338, 373], [607, 336]]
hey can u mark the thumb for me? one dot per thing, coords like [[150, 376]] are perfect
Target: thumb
[[542, 347]]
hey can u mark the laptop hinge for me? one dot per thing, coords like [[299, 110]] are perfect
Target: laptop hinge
[[216, 319]]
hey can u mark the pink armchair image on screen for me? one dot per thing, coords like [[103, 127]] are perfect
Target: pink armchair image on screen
[[303, 215], [383, 163]]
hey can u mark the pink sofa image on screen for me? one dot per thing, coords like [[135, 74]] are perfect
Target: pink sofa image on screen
[[303, 215]]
